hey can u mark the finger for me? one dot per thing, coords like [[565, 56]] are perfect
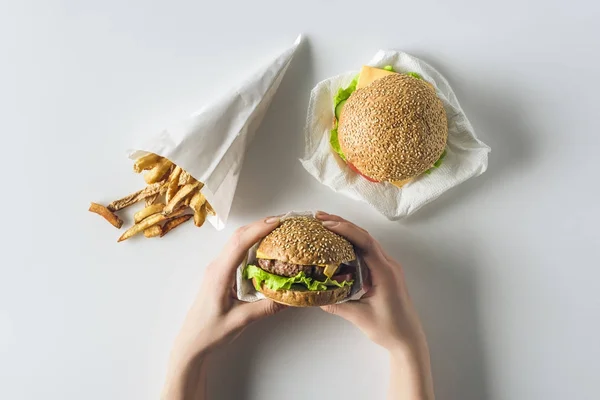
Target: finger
[[323, 216], [365, 243], [351, 311], [330, 219], [236, 249], [333, 219], [247, 313]]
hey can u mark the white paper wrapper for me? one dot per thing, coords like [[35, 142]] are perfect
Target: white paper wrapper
[[211, 144], [245, 288], [466, 155]]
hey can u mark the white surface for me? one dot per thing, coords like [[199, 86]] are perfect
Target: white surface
[[466, 156], [504, 269]]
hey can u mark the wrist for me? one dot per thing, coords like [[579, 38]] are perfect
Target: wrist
[[411, 367], [413, 348], [183, 371]]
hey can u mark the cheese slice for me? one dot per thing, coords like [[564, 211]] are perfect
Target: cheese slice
[[369, 75], [261, 255], [330, 270], [401, 183]]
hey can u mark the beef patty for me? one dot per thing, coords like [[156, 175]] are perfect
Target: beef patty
[[286, 269]]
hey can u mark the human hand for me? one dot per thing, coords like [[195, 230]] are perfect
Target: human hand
[[216, 316], [385, 313]]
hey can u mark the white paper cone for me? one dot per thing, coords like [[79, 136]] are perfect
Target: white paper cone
[[246, 291], [211, 144], [466, 156]]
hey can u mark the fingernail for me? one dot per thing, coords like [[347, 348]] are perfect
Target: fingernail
[[321, 214], [272, 220], [330, 224]]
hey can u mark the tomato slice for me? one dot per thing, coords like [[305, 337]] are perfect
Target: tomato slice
[[342, 278], [353, 168]]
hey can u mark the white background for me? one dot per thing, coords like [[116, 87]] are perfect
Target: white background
[[503, 269]]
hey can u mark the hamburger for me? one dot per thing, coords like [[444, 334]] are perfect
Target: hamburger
[[388, 126], [303, 264]]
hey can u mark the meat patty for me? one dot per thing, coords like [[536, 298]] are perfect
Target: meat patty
[[286, 269]]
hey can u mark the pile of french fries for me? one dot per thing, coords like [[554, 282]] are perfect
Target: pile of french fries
[[172, 196]]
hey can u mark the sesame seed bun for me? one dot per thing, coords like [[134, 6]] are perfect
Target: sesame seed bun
[[394, 129], [305, 298], [305, 241]]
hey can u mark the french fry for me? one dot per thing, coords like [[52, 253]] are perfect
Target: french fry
[[197, 201], [133, 198], [178, 212], [158, 172], [153, 231], [185, 178], [173, 223], [173, 183], [180, 196], [200, 216], [142, 226], [106, 214], [146, 162], [151, 199], [210, 210], [148, 211]]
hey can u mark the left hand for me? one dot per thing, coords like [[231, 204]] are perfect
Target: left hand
[[217, 317]]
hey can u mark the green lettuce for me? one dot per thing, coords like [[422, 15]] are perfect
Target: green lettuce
[[335, 143], [437, 163], [414, 75], [338, 102], [276, 282], [344, 93]]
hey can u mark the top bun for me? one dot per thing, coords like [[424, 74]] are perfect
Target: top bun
[[305, 241], [393, 129]]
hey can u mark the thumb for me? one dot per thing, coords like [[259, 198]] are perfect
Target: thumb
[[249, 312], [350, 311]]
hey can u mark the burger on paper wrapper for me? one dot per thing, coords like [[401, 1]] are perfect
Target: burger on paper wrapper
[[301, 264], [393, 136], [211, 144]]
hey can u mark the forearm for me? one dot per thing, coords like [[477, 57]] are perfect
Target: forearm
[[410, 374], [187, 382]]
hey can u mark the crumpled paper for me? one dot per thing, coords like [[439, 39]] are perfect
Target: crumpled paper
[[466, 157], [211, 144], [246, 291]]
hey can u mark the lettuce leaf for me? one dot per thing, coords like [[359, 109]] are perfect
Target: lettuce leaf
[[415, 75], [437, 163], [276, 282], [344, 94], [335, 143]]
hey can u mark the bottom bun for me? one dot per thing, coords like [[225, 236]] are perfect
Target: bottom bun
[[305, 298]]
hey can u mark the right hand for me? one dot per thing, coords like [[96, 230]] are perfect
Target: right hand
[[385, 313]]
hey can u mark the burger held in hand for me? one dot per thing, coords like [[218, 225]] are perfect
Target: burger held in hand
[[303, 264], [389, 127]]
